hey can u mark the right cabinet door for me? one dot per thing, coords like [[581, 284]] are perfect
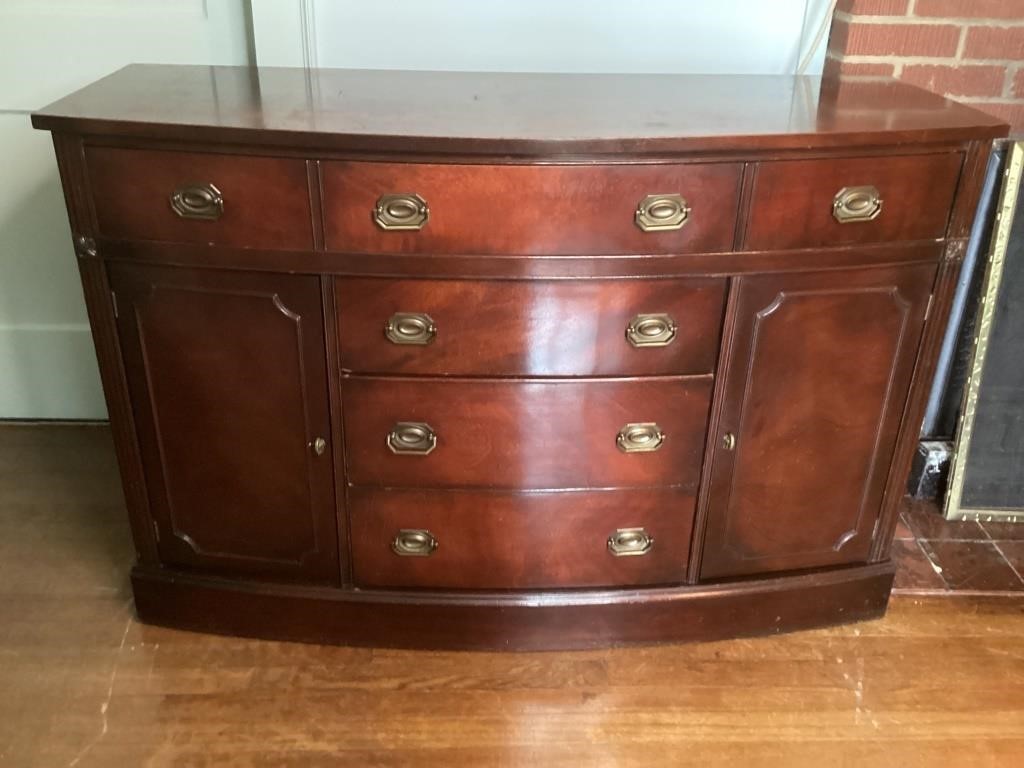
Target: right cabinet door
[[816, 382]]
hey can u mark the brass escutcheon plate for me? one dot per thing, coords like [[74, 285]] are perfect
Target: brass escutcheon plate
[[640, 438], [405, 211], [630, 542], [662, 213], [658, 330], [853, 204], [414, 542], [412, 437]]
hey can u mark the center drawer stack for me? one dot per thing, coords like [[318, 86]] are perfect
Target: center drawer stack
[[534, 433]]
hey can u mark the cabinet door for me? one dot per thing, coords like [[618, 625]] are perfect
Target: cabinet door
[[815, 388], [228, 381]]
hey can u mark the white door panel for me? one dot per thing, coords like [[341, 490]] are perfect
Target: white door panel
[[726, 36], [48, 48]]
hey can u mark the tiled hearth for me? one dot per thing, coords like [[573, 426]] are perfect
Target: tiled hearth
[[936, 555]]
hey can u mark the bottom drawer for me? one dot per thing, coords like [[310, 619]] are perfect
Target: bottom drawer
[[516, 540]]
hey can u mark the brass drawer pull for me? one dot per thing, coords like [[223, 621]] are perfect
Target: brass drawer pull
[[852, 204], [412, 437], [414, 542], [410, 328], [729, 441], [630, 542], [198, 201], [401, 212], [640, 438], [651, 331], [662, 213]]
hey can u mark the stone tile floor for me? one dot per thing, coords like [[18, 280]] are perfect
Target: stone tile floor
[[934, 555]]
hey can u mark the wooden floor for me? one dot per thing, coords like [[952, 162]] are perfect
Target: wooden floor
[[939, 681]]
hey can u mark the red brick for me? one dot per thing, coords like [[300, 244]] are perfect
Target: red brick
[[994, 43], [971, 9], [874, 7], [957, 80], [902, 39], [1018, 84], [1013, 113]]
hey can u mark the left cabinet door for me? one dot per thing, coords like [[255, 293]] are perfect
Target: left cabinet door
[[228, 379]]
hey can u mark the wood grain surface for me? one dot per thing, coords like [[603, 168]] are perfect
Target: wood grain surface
[[506, 113]]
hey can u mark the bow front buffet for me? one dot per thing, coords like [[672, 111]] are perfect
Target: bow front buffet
[[460, 360]]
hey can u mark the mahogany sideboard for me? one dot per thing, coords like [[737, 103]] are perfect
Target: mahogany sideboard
[[513, 361]]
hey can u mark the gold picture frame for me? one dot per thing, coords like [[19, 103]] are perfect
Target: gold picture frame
[[1005, 213]]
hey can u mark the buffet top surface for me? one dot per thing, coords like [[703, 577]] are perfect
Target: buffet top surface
[[509, 113]]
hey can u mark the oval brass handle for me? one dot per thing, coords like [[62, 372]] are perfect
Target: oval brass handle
[[404, 211], [852, 204], [198, 200], [640, 438], [662, 213], [319, 446], [410, 328], [729, 441], [412, 437], [628, 542], [414, 542], [651, 331]]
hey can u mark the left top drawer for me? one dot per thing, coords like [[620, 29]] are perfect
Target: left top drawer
[[193, 197]]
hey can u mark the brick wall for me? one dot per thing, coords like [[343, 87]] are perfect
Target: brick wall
[[969, 50]]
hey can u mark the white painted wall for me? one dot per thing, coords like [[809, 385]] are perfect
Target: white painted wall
[[47, 49], [724, 36]]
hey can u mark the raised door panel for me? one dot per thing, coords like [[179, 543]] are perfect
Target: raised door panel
[[816, 383], [228, 381]]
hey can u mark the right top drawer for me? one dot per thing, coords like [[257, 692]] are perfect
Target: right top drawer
[[840, 201]]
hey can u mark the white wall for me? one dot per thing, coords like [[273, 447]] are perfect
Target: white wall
[[47, 49], [724, 36]]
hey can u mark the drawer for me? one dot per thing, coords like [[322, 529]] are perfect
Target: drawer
[[811, 203], [524, 434], [234, 200], [499, 540], [529, 209], [530, 327]]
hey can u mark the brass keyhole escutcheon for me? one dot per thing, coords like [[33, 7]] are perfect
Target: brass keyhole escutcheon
[[414, 542], [729, 441], [412, 437], [640, 438], [319, 446]]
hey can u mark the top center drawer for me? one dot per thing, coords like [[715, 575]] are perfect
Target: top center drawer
[[372, 207]]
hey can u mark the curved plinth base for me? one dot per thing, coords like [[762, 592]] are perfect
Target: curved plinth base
[[512, 621]]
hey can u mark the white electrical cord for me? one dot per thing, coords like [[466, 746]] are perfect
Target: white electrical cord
[[823, 28]]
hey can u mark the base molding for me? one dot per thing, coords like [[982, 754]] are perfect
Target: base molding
[[512, 621]]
